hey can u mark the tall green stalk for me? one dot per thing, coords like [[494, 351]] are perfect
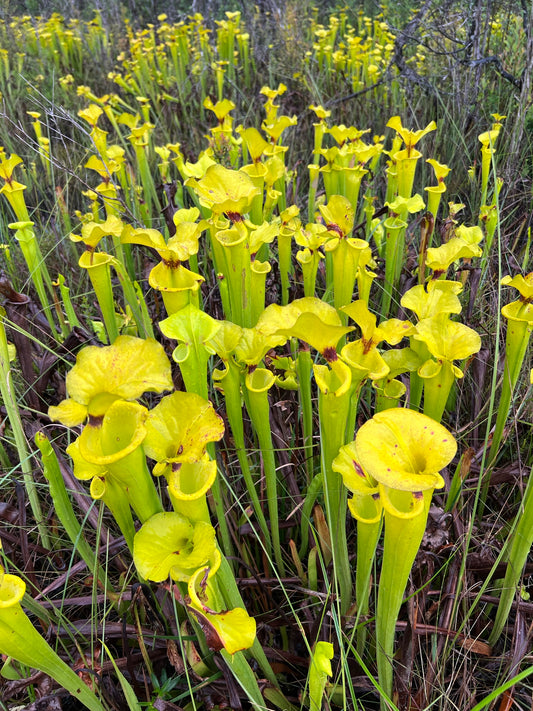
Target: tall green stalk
[[403, 537], [19, 639], [258, 382], [399, 454], [230, 382], [334, 399], [64, 510], [8, 397], [36, 267], [98, 268], [519, 548], [519, 327]]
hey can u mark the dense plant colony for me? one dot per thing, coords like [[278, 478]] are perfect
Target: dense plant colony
[[247, 372]]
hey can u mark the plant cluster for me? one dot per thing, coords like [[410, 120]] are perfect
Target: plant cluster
[[255, 358]]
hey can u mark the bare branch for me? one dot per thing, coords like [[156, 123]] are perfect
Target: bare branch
[[516, 81]]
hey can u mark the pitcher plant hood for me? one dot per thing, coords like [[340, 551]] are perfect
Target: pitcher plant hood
[[168, 544], [404, 450], [101, 375]]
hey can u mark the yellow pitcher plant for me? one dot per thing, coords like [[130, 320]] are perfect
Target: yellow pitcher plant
[[20, 640], [400, 453]]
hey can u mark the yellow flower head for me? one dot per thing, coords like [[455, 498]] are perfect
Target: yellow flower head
[[221, 109], [405, 450], [179, 429], [522, 309], [441, 170], [7, 165], [102, 375], [170, 544], [524, 284], [321, 112], [488, 138], [410, 138], [225, 191]]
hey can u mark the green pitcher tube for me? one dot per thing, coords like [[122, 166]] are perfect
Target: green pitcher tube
[[19, 639], [334, 398], [236, 269], [97, 265], [257, 383]]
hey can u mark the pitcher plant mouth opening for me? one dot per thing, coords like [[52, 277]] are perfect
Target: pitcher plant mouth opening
[[405, 450], [20, 640]]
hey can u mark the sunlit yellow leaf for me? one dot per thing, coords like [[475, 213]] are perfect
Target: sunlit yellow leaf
[[224, 190], [126, 369], [446, 339], [232, 630], [180, 427], [437, 296], [404, 449], [168, 544]]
